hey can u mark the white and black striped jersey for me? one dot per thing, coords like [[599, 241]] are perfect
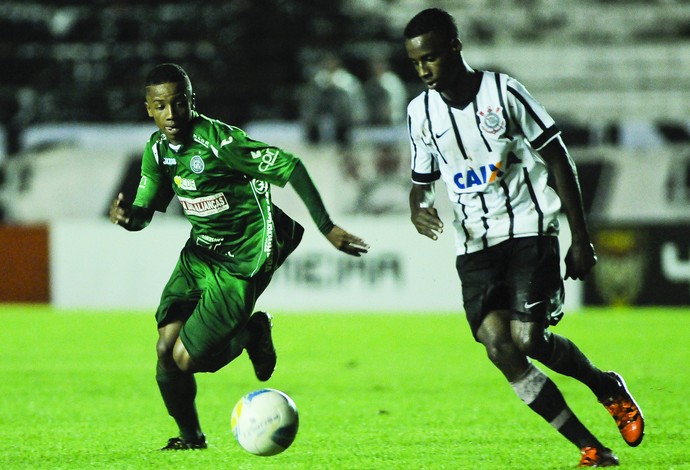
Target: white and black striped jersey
[[486, 153]]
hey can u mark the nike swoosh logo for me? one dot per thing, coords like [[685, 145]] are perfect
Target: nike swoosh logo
[[438, 136], [225, 142], [533, 304]]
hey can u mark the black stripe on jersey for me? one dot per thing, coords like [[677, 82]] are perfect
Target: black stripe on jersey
[[431, 130], [533, 196], [458, 139], [462, 222], [425, 178], [476, 119], [501, 101], [485, 222], [414, 146], [545, 137], [509, 209], [530, 111]]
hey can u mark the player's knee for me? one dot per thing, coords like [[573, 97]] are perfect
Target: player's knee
[[532, 345], [499, 350], [182, 358], [168, 335], [164, 352]]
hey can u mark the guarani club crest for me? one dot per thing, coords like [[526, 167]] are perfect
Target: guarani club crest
[[197, 164], [491, 120]]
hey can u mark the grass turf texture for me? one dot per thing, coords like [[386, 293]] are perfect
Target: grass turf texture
[[374, 392]]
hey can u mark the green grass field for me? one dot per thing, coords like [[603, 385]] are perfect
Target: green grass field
[[374, 392]]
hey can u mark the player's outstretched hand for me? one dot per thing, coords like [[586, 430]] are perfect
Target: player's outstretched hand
[[120, 210], [346, 242], [427, 222], [579, 260]]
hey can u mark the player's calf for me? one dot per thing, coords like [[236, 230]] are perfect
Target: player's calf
[[260, 346]]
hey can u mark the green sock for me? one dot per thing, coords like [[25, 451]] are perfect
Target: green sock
[[178, 390]]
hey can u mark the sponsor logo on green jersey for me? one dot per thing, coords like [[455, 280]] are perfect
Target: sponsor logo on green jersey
[[204, 206], [268, 158], [184, 183], [197, 138]]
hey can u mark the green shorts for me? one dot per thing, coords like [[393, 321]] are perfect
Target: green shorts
[[215, 304]]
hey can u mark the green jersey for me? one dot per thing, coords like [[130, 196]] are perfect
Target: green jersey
[[223, 180]]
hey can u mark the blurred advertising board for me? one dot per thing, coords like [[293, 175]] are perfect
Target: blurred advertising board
[[641, 264]]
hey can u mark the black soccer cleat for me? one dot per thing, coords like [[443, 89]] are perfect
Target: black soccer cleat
[[260, 347], [179, 443]]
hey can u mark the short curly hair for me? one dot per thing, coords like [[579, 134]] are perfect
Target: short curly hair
[[169, 73], [432, 19]]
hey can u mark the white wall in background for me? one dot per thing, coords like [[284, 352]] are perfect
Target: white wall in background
[[96, 265]]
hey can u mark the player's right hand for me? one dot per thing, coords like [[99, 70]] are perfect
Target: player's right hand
[[427, 222], [346, 242], [120, 210]]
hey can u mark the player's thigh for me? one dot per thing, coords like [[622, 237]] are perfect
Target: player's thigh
[[535, 279], [484, 289], [183, 289], [221, 313]]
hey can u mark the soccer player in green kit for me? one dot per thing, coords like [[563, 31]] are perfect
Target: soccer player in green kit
[[238, 239]]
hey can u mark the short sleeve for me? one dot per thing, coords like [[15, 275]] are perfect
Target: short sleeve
[[531, 117], [255, 158], [424, 164], [154, 190]]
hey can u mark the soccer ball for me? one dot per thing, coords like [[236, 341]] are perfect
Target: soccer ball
[[265, 422]]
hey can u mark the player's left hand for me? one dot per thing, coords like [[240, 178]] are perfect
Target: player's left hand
[[346, 242], [580, 260]]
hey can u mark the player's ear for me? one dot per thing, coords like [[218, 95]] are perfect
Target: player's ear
[[148, 108], [456, 45]]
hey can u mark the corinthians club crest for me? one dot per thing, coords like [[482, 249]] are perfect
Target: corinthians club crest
[[491, 120], [624, 258]]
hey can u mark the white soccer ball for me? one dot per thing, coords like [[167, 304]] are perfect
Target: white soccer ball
[[265, 421]]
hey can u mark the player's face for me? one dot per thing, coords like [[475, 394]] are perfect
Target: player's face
[[171, 108], [436, 61]]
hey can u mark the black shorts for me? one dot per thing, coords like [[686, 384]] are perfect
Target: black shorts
[[522, 275]]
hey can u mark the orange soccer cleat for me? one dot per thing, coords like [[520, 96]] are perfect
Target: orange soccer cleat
[[597, 457], [625, 411]]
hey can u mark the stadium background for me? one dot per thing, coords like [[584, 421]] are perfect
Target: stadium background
[[614, 74]]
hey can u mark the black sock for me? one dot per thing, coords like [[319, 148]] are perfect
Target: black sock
[[178, 390], [567, 359], [540, 393]]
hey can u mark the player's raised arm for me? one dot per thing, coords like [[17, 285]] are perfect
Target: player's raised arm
[[339, 238]]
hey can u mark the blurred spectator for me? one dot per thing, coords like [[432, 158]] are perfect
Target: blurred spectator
[[385, 93], [8, 111], [384, 190], [334, 102]]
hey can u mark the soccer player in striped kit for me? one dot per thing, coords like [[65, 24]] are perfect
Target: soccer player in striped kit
[[493, 145]]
